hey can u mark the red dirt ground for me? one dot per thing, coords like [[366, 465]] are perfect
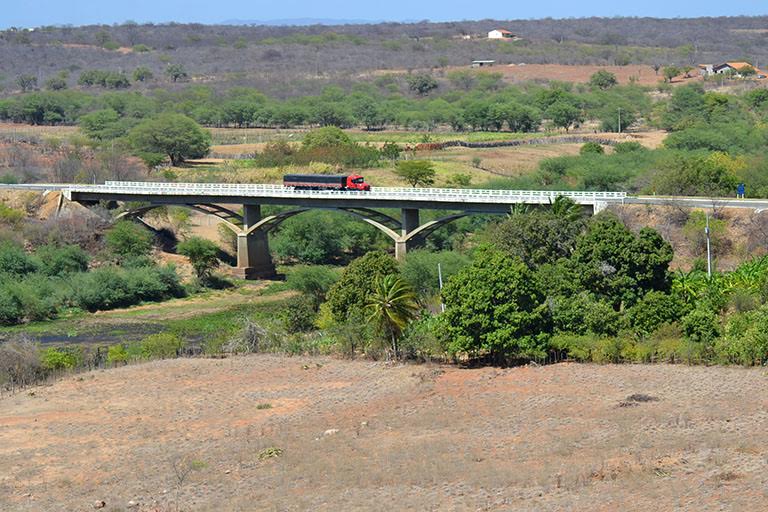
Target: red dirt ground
[[561, 437]]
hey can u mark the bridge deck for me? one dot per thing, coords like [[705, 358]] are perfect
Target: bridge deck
[[388, 194]]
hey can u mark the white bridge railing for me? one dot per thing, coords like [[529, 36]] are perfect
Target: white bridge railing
[[383, 193]]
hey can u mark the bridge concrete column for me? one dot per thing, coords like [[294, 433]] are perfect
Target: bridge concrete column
[[253, 258], [410, 221]]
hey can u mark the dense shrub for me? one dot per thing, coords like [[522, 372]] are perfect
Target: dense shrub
[[581, 314], [14, 261], [701, 326], [746, 339], [61, 260], [11, 308], [161, 346], [590, 148], [109, 287], [420, 269], [348, 295], [618, 265], [495, 307], [653, 310], [203, 255], [313, 282], [298, 314], [423, 339], [54, 359], [628, 147], [129, 240]]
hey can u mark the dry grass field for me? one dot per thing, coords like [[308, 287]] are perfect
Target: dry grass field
[[272, 433]]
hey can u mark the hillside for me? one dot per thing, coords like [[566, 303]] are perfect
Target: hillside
[[271, 433], [290, 61]]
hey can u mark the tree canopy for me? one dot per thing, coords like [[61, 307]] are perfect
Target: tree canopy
[[174, 135]]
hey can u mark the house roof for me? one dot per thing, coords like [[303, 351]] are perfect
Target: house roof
[[503, 31], [739, 65]]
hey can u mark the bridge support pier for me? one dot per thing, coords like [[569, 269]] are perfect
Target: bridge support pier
[[253, 258], [410, 222]]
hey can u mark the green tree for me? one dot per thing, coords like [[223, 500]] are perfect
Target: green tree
[[691, 175], [391, 151], [56, 83], [174, 135], [416, 172], [540, 236], [564, 115], [391, 306], [176, 72], [495, 308], [348, 296], [129, 240], [603, 80], [327, 136], [203, 255], [421, 83], [670, 72], [618, 266], [143, 74], [103, 125]]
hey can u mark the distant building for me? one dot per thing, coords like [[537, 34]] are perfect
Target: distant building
[[483, 63], [733, 68], [500, 33]]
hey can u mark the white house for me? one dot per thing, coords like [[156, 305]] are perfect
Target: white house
[[500, 33], [732, 68]]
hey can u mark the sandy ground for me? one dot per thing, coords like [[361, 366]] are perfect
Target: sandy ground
[[271, 433]]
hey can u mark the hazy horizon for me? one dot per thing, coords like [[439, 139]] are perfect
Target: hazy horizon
[[36, 13]]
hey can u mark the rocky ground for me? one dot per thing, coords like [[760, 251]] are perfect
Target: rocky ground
[[273, 433]]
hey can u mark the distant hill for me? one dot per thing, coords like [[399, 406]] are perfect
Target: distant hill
[[297, 56], [298, 22]]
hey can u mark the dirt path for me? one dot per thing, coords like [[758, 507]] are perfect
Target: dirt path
[[270, 433]]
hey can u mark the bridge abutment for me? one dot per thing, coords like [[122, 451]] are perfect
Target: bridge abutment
[[253, 258]]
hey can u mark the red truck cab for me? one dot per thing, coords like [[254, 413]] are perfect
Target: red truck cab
[[357, 182]]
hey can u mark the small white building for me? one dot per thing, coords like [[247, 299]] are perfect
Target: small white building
[[483, 63], [728, 68], [500, 33]]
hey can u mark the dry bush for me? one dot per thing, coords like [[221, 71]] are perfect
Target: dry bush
[[75, 227], [252, 338], [20, 364]]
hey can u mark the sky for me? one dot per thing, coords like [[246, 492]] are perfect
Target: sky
[[35, 13]]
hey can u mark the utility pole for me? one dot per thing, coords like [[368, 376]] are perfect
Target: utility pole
[[709, 250], [440, 282], [619, 119]]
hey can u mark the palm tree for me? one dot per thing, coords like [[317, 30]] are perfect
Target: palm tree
[[567, 209], [391, 306]]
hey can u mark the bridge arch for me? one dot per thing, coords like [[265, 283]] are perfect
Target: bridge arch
[[254, 260], [228, 217]]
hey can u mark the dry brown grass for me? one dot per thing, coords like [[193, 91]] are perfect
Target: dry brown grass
[[409, 438]]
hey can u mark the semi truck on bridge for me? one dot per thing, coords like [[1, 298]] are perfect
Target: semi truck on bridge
[[325, 182]]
